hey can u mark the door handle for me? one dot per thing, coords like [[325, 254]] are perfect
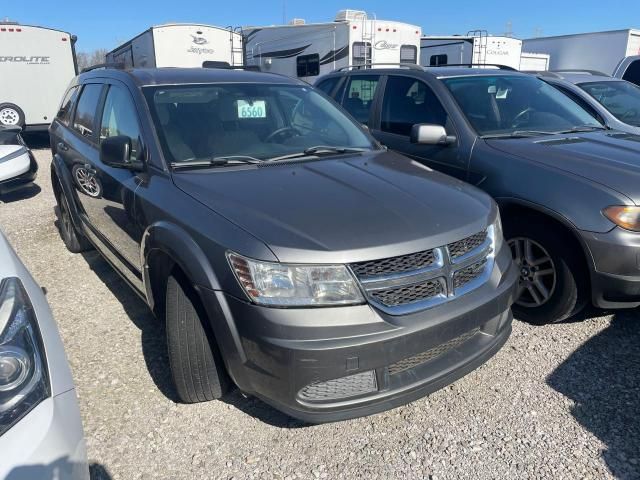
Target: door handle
[[62, 146]]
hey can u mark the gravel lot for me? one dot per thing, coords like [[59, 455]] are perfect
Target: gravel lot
[[560, 401]]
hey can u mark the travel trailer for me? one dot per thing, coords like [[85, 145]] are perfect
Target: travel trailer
[[477, 47], [611, 52], [534, 62], [36, 66], [307, 51], [180, 45]]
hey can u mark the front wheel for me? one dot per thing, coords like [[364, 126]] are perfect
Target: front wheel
[[552, 281], [75, 241]]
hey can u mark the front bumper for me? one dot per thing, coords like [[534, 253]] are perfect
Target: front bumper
[[329, 364], [47, 443]]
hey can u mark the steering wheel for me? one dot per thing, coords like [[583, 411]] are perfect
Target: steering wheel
[[281, 132], [519, 117], [631, 113]]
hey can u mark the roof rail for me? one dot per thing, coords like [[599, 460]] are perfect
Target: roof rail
[[581, 70], [118, 66], [410, 66], [543, 73], [226, 66], [475, 65]]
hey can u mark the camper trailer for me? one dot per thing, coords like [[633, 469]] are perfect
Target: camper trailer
[[477, 47], [609, 52], [534, 62], [36, 66], [180, 45], [307, 51]]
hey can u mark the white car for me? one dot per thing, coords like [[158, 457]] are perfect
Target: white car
[[41, 432], [18, 167]]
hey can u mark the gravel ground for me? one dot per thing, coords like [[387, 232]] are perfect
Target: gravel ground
[[560, 401]]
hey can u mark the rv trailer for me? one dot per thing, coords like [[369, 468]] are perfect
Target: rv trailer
[[477, 48], [179, 45], [615, 52], [36, 66], [534, 62], [307, 51]]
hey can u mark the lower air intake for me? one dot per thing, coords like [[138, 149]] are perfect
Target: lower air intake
[[340, 388]]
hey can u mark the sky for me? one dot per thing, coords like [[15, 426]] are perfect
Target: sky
[[107, 24]]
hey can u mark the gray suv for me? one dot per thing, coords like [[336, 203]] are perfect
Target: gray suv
[[567, 186], [283, 248]]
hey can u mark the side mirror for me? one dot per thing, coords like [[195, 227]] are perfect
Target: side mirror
[[116, 152], [427, 134]]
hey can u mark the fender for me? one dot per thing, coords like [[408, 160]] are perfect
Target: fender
[[66, 184]]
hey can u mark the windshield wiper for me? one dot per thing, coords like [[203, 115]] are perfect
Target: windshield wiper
[[520, 134], [318, 150], [584, 128], [214, 162]]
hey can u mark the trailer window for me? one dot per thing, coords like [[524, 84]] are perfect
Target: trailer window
[[408, 54], [360, 94], [64, 113], [436, 60], [120, 117], [84, 120], [633, 73], [361, 53], [308, 65]]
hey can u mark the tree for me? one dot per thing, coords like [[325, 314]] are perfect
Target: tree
[[86, 59]]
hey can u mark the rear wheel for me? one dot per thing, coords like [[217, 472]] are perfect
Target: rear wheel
[[196, 366], [552, 284], [11, 115]]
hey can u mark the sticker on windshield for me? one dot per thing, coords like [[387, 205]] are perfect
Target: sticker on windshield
[[252, 109]]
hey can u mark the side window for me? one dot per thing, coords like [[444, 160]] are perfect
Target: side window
[[119, 117], [328, 85], [633, 73], [361, 90], [84, 119], [408, 54], [407, 102], [436, 60], [308, 65], [64, 113], [361, 53]]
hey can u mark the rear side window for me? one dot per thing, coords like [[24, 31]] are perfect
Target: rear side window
[[408, 102], [84, 120], [361, 53], [361, 91], [308, 65], [436, 60], [64, 113], [633, 73], [119, 117], [328, 85], [408, 54]]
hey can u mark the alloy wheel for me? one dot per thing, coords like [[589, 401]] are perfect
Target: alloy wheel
[[538, 274], [87, 182]]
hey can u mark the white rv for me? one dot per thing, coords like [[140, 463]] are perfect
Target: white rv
[[36, 66], [179, 45], [534, 62], [608, 52], [477, 48], [309, 50]]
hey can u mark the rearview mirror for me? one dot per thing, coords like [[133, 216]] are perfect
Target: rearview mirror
[[116, 152], [427, 134]]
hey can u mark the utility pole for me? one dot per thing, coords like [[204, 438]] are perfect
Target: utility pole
[[284, 12], [537, 32], [509, 32]]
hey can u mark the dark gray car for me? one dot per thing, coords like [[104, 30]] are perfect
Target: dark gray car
[[285, 250], [568, 187]]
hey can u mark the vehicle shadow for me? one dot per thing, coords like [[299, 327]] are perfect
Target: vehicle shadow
[[36, 140], [61, 468], [262, 411], [602, 377], [23, 193]]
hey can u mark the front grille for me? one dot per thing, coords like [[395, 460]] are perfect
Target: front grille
[[432, 353], [386, 266], [468, 274], [393, 297], [464, 246], [345, 387]]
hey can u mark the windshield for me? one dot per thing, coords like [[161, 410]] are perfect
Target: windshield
[[253, 121], [507, 105], [621, 98]]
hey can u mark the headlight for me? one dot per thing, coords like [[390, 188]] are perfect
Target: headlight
[[282, 285], [23, 375], [624, 216], [497, 235]]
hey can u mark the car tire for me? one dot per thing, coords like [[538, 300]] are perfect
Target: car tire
[[75, 241], [11, 115], [196, 366], [532, 240]]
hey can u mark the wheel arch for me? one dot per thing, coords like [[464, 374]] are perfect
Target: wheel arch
[[62, 183]]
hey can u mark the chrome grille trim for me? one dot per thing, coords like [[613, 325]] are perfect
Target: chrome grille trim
[[443, 270]]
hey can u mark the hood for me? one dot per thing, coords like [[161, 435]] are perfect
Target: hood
[[608, 158], [14, 161], [343, 209]]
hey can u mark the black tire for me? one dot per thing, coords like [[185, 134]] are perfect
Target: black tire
[[75, 241], [569, 292], [196, 366], [11, 115]]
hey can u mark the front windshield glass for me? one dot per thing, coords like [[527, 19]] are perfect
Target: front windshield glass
[[248, 120], [506, 105], [621, 98]]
